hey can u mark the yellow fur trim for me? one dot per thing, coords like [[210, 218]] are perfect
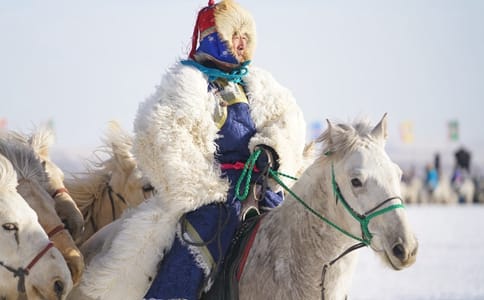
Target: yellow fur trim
[[231, 18]]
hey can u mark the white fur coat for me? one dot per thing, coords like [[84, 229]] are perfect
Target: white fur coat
[[174, 146]]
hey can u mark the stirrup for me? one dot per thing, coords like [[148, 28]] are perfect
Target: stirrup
[[249, 212], [250, 206]]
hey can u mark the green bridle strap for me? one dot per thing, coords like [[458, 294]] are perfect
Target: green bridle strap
[[279, 181], [364, 219]]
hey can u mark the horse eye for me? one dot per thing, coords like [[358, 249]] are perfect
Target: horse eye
[[356, 182], [10, 226], [147, 188]]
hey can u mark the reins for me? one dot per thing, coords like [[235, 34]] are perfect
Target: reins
[[327, 265], [21, 273]]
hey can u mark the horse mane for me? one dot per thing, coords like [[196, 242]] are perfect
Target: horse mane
[[90, 184], [121, 142], [24, 161], [8, 176], [40, 140], [342, 138], [86, 186]]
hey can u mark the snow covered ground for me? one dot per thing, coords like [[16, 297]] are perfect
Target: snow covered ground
[[450, 261]]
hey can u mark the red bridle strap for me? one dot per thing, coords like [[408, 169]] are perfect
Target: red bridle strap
[[60, 191], [56, 230], [38, 256]]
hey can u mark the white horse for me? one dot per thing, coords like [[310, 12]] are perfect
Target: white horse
[[30, 267], [347, 198]]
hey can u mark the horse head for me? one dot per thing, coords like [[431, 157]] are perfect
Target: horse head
[[29, 265], [366, 184], [111, 183], [32, 182]]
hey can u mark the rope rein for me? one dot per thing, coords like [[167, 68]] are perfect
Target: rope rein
[[327, 265], [246, 176], [321, 217]]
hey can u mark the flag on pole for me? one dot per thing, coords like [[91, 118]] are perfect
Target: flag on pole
[[453, 130], [316, 129], [406, 132], [50, 124], [3, 123]]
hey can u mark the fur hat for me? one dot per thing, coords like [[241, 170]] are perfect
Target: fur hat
[[214, 28]]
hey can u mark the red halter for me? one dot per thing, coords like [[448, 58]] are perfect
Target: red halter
[[22, 272]]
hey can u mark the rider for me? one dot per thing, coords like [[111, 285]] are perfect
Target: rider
[[207, 118]]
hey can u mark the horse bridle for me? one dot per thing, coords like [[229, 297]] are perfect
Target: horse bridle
[[364, 219], [111, 199], [21, 273]]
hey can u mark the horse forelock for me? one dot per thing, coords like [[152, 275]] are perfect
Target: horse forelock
[[343, 138], [41, 140], [24, 161], [8, 176]]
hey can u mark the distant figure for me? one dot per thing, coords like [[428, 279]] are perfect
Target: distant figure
[[461, 170], [437, 163], [432, 177], [463, 159]]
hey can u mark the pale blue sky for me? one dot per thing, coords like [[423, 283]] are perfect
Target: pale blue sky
[[83, 63]]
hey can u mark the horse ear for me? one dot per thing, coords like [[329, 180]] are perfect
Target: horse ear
[[332, 135], [41, 140], [380, 131]]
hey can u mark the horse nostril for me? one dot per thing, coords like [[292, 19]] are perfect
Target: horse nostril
[[58, 287], [399, 251]]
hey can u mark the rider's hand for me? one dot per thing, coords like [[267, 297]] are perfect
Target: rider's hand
[[267, 158]]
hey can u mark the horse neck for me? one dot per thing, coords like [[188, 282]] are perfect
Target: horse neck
[[316, 189], [312, 241]]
